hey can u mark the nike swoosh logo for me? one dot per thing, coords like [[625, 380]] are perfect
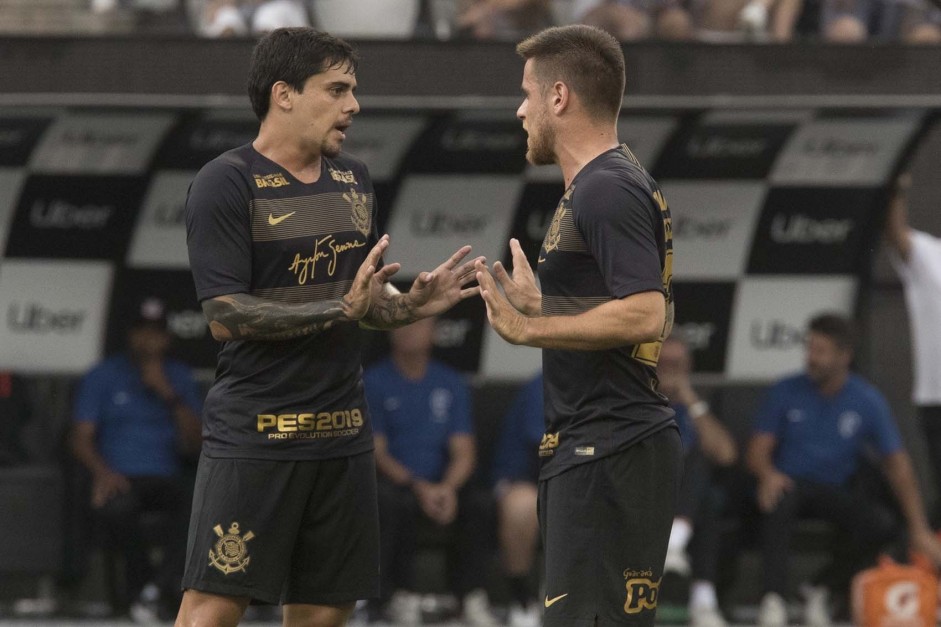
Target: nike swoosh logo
[[558, 598], [274, 221], [541, 259]]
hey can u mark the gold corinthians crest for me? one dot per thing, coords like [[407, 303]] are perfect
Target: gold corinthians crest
[[553, 235], [359, 211], [551, 241], [230, 554]]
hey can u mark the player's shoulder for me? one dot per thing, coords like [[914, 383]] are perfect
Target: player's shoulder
[[614, 174], [792, 385], [108, 368], [232, 163], [865, 389]]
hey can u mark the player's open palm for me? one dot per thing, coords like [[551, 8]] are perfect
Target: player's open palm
[[519, 285], [435, 292], [503, 316], [356, 301]]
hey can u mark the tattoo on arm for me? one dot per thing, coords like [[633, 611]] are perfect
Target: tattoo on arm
[[246, 317], [389, 312]]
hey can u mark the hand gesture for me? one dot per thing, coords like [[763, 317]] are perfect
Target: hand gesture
[[435, 292], [356, 301], [520, 285], [106, 485], [503, 316], [771, 487]]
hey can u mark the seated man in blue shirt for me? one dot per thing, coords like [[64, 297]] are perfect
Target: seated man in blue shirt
[[809, 437], [425, 455], [516, 475], [136, 415]]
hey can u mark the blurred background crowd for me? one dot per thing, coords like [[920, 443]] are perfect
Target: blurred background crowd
[[847, 21]]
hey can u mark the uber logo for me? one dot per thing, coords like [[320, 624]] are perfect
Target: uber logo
[[696, 335], [445, 223], [775, 334], [700, 228], [36, 318], [60, 214], [187, 325], [801, 229], [471, 139]]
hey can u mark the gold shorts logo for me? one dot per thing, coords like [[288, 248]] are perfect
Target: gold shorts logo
[[642, 593], [270, 180], [230, 555]]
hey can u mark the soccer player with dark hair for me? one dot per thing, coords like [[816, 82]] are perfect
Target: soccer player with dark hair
[[287, 264], [611, 452]]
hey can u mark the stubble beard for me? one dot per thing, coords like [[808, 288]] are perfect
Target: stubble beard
[[329, 149], [541, 143]]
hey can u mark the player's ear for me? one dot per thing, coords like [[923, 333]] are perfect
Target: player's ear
[[282, 96], [560, 96]]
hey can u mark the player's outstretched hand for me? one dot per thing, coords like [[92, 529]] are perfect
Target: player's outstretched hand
[[519, 285], [503, 316], [356, 301], [435, 292]]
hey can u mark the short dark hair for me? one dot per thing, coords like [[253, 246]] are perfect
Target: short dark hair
[[587, 59], [293, 55], [838, 328]]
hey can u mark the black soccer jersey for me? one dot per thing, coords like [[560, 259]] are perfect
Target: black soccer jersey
[[253, 228], [610, 237]]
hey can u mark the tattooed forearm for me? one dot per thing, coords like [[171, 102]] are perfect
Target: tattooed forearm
[[389, 312], [246, 317]]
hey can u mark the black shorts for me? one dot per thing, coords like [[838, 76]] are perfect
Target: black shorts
[[285, 531], [605, 527]]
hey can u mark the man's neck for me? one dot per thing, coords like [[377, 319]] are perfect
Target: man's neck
[[579, 145], [279, 145], [833, 385], [412, 366]]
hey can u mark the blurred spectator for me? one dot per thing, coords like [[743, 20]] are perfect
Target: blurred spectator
[[272, 14], [808, 443], [919, 22], [509, 20], [516, 474], [425, 455], [14, 415], [235, 18], [629, 20], [224, 18], [705, 443], [759, 20], [916, 256], [136, 414]]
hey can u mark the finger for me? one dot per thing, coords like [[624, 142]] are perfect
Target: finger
[[501, 274], [376, 253], [517, 252], [470, 292], [457, 257], [387, 271]]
